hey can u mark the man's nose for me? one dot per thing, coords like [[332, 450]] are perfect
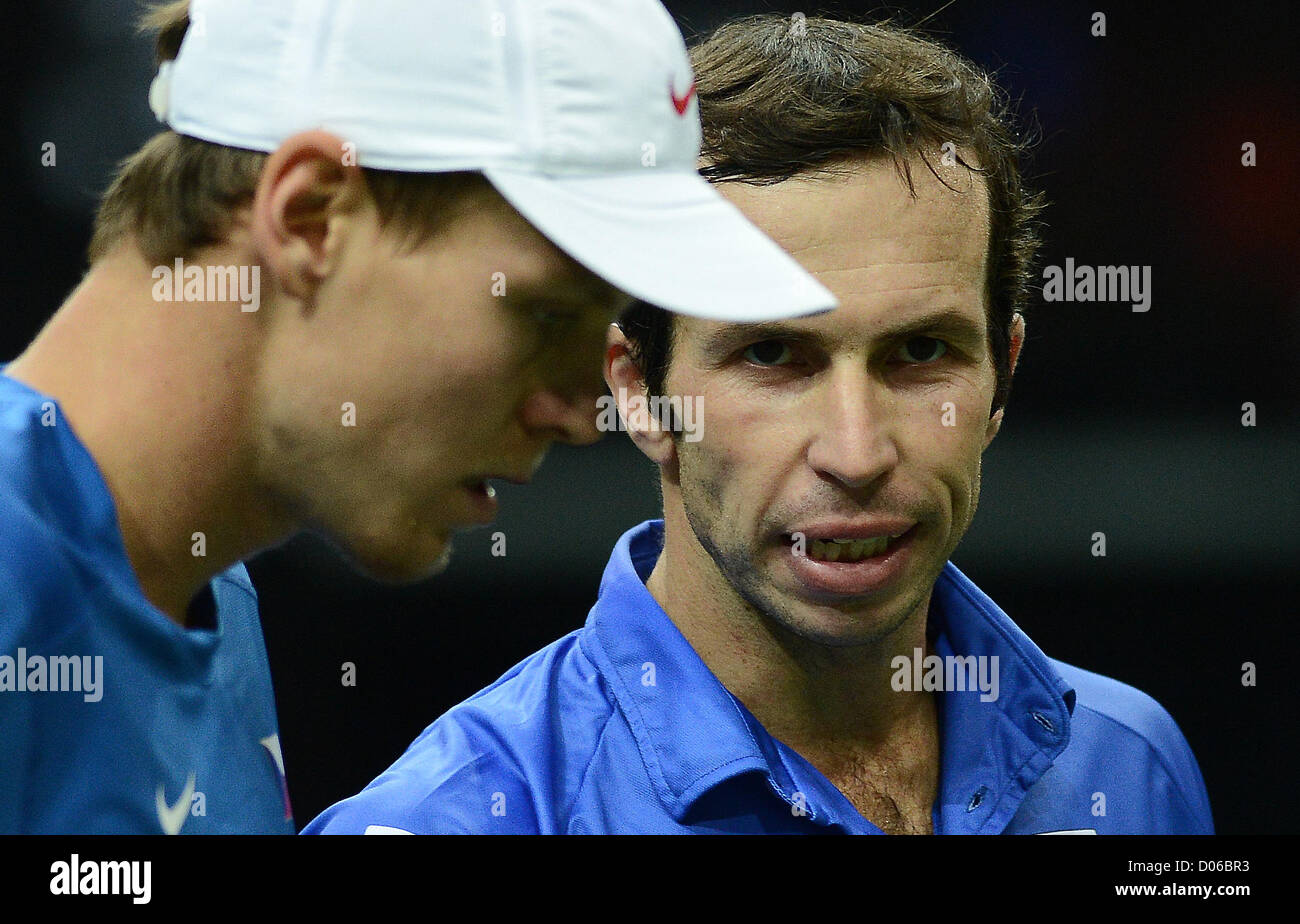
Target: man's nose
[[853, 433], [567, 411]]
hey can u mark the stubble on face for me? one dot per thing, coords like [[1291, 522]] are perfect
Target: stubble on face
[[744, 562], [737, 505]]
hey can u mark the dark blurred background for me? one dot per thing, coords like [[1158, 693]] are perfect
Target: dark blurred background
[[1120, 422]]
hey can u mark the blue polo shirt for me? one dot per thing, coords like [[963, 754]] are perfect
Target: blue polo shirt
[[116, 720], [619, 727]]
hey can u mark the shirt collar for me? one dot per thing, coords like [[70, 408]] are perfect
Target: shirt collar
[[1003, 746], [689, 729], [692, 734]]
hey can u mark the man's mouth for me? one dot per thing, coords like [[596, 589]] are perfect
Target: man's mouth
[[837, 559], [849, 550], [482, 507], [483, 496], [483, 484]]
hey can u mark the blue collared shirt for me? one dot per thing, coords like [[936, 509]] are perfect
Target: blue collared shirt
[[619, 727], [179, 733]]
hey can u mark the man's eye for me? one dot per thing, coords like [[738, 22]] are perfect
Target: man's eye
[[923, 350], [549, 318], [768, 353]]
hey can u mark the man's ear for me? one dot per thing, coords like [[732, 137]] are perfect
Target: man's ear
[[1017, 340], [627, 383], [306, 188]]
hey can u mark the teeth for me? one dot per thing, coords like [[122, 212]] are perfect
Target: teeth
[[848, 549]]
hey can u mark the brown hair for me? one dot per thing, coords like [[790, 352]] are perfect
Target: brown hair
[[178, 194], [785, 96]]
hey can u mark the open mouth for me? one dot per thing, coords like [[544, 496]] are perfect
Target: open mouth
[[482, 501], [850, 550], [835, 566], [846, 550]]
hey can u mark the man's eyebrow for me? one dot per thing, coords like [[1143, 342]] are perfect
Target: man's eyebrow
[[951, 322], [726, 337]]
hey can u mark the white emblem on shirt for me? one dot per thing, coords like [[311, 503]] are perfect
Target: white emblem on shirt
[[272, 744], [172, 817]]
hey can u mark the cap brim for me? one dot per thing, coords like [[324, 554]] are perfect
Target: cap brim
[[668, 238]]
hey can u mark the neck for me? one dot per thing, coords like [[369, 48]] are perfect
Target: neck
[[814, 696], [159, 393]]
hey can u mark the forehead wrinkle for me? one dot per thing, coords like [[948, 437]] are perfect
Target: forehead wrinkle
[[960, 277], [876, 202], [833, 222], [959, 246]]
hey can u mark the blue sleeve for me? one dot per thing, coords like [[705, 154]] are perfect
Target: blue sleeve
[[443, 784], [1135, 742]]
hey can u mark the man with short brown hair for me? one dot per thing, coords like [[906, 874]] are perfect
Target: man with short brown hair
[[790, 649]]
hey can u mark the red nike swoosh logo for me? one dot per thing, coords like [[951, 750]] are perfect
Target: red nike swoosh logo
[[681, 103]]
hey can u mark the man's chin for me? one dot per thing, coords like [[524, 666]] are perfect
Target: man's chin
[[405, 565], [828, 628], [845, 621]]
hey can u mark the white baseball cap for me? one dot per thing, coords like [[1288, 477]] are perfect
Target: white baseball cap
[[581, 113]]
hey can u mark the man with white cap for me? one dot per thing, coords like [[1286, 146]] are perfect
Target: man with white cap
[[368, 269]]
